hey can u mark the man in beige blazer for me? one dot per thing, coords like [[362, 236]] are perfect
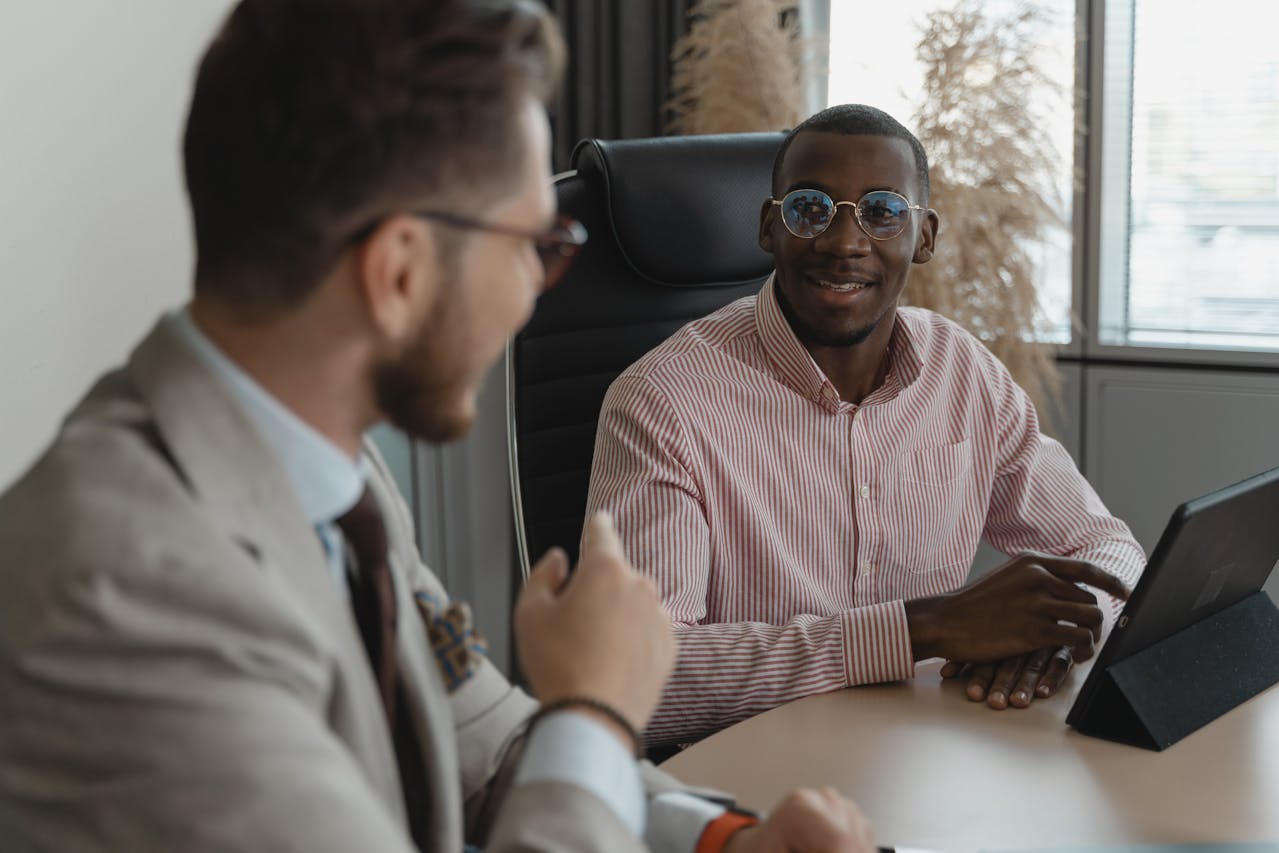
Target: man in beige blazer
[[215, 630]]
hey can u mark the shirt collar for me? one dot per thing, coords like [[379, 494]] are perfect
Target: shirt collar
[[327, 481], [795, 366]]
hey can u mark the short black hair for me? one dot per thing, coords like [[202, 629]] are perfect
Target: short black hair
[[858, 120]]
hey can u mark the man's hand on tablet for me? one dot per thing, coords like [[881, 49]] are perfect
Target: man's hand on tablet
[[1032, 602], [1015, 632]]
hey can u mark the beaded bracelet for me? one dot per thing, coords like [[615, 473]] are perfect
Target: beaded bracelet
[[596, 705]]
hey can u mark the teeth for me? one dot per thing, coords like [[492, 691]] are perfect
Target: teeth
[[840, 287]]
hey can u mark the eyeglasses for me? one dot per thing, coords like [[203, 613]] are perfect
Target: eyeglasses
[[556, 247], [881, 214]]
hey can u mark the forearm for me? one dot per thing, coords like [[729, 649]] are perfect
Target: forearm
[[731, 671]]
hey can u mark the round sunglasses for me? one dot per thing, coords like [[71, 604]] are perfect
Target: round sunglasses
[[882, 214]]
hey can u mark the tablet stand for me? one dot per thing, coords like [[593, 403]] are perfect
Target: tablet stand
[[1157, 696]]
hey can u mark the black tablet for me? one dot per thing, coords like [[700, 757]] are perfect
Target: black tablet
[[1205, 574]]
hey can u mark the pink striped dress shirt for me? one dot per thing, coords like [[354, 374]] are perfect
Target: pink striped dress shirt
[[785, 528]]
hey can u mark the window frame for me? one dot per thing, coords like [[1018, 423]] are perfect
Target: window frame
[[1104, 162]]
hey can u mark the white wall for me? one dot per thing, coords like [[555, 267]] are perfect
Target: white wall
[[94, 232]]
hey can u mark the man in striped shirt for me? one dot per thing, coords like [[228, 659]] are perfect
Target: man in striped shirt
[[806, 474]]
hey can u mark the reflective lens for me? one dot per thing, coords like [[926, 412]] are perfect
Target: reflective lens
[[881, 214], [807, 213]]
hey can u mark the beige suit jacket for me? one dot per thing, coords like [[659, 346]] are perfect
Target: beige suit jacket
[[178, 670]]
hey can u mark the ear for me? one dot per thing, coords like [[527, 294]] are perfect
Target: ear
[[766, 214], [398, 275], [927, 237]]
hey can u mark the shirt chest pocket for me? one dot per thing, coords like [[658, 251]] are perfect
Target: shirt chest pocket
[[935, 527], [938, 466]]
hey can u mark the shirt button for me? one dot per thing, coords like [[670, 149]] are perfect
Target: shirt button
[[864, 491], [865, 567]]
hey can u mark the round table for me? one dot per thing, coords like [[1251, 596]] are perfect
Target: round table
[[933, 770]]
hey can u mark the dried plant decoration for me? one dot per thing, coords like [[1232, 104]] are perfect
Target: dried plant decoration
[[742, 66], [993, 171]]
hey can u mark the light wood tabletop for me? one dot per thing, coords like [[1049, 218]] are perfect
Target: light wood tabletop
[[933, 770]]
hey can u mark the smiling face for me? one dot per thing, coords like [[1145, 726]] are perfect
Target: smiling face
[[840, 289]]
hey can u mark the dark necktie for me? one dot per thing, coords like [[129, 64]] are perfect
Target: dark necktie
[[373, 594], [373, 602]]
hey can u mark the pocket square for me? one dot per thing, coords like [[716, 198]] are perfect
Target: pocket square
[[458, 647]]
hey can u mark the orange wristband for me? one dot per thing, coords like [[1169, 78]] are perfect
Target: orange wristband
[[718, 831]]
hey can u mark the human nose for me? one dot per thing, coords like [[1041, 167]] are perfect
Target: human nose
[[844, 236]]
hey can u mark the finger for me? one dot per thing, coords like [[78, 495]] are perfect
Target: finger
[[646, 587], [844, 825], [854, 820], [1084, 649], [600, 538], [1081, 571], [979, 678], [1031, 676], [548, 576], [1069, 591], [541, 590], [1002, 684], [1077, 638], [642, 588], [1058, 667], [1084, 615], [802, 822], [951, 668]]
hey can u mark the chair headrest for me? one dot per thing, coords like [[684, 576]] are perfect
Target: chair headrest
[[685, 209]]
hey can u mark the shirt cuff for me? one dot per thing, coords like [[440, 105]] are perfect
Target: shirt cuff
[[676, 821], [572, 748], [877, 644]]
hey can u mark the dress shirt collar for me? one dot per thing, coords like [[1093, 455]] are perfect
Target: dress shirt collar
[[795, 366], [326, 480]]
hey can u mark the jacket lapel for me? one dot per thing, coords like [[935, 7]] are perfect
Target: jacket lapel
[[247, 494]]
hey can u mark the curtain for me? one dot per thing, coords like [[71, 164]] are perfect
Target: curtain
[[618, 78]]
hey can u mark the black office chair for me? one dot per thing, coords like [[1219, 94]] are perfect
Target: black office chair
[[673, 224]]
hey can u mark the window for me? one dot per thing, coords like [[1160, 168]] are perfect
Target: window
[[1183, 160], [1190, 176], [874, 59]]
